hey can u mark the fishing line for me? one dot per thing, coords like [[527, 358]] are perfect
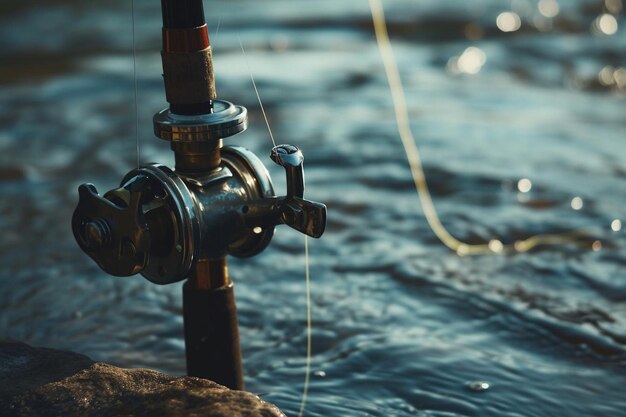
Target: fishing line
[[132, 14], [305, 390], [307, 376], [217, 30], [417, 169], [267, 123]]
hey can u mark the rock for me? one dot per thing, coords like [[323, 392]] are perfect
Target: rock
[[47, 382]]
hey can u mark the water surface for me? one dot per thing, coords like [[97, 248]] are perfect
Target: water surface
[[401, 325]]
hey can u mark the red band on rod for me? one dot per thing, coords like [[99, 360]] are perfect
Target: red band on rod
[[185, 40]]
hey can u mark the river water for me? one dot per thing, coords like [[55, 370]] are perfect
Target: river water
[[401, 325]]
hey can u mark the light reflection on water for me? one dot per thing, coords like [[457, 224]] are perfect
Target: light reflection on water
[[530, 142]]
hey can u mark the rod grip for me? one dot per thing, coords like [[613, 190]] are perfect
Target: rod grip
[[212, 335], [188, 77]]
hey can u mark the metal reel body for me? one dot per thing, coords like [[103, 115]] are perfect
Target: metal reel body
[[178, 217]]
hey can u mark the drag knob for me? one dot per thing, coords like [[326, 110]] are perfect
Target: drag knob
[[112, 229]]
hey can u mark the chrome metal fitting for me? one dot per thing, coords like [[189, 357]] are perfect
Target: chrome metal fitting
[[227, 119]]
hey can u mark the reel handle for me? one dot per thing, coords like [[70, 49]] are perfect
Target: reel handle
[[112, 229], [305, 216]]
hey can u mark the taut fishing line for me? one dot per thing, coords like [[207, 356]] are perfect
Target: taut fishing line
[[217, 32], [305, 389], [307, 376], [417, 169], [267, 123]]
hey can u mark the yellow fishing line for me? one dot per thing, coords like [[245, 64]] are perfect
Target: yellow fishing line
[[415, 162]]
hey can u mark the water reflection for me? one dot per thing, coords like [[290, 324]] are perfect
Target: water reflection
[[478, 386], [612, 77], [524, 185], [613, 6], [620, 78], [496, 246], [469, 62], [508, 22], [548, 8], [400, 323], [596, 246], [616, 225], [605, 24], [577, 203]]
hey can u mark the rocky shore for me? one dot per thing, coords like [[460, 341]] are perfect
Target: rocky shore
[[48, 382]]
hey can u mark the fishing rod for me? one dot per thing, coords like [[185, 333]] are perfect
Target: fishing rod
[[179, 224]]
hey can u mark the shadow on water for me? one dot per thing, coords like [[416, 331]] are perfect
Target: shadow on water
[[401, 326]]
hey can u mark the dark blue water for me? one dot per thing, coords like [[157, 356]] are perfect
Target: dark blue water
[[401, 325]]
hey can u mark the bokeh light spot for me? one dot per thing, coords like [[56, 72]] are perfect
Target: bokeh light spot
[[577, 203], [613, 6], [619, 75], [496, 246], [470, 61], [548, 8], [508, 22], [606, 24], [524, 185], [605, 76]]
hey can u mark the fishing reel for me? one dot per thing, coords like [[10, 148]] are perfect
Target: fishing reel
[[219, 201], [175, 224]]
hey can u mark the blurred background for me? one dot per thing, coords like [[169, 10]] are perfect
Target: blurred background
[[519, 111]]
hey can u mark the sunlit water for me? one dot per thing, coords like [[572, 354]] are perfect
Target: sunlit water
[[401, 326]]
